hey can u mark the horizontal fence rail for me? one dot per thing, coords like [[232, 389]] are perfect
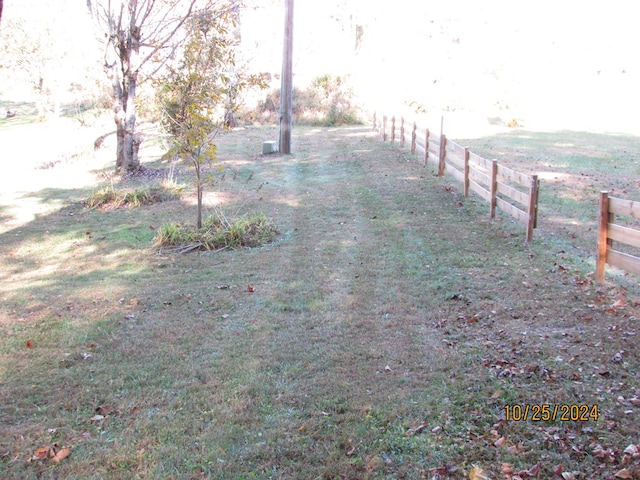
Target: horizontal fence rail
[[609, 232], [512, 192]]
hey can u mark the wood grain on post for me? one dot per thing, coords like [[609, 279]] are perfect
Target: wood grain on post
[[426, 148], [393, 129], [494, 188], [413, 138], [402, 139], [466, 171], [603, 240], [533, 207], [443, 154]]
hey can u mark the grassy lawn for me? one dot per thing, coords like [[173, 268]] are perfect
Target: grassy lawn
[[382, 335]]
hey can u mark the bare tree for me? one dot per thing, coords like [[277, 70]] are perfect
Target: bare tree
[[139, 37]]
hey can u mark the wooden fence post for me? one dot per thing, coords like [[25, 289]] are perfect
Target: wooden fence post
[[494, 188], [393, 129], [402, 139], [426, 148], [375, 120], [413, 138], [443, 154], [533, 206], [384, 128], [535, 211], [466, 171], [603, 236]]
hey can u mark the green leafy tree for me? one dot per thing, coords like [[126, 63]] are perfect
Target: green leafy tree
[[198, 96]]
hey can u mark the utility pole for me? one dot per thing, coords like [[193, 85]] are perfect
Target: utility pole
[[286, 88]]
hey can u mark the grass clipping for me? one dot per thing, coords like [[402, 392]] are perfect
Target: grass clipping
[[217, 233]]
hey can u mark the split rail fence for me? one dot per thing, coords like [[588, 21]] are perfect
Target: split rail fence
[[512, 192], [609, 232]]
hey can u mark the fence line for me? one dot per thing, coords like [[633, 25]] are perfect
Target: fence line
[[609, 232], [512, 192]]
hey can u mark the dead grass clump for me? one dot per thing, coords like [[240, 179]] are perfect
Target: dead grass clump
[[109, 196], [217, 233]]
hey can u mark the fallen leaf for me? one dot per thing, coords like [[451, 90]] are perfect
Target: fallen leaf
[[607, 455], [532, 472], [42, 453], [620, 303], [97, 418], [499, 442], [104, 410], [624, 473], [444, 471], [478, 474], [633, 450], [250, 289], [416, 430], [29, 343], [61, 455], [506, 469], [351, 451]]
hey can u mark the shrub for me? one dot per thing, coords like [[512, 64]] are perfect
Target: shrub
[[133, 198], [328, 101], [217, 233]]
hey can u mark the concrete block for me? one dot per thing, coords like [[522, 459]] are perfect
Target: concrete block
[[269, 147]]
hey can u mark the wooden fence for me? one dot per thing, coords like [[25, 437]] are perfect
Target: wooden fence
[[512, 192], [610, 232]]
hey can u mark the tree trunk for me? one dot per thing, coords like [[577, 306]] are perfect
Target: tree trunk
[[127, 142], [198, 167], [119, 118], [131, 145], [122, 70]]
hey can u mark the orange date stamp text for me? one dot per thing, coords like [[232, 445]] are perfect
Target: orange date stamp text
[[546, 412]]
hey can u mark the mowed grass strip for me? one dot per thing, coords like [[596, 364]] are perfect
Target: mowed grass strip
[[380, 336]]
